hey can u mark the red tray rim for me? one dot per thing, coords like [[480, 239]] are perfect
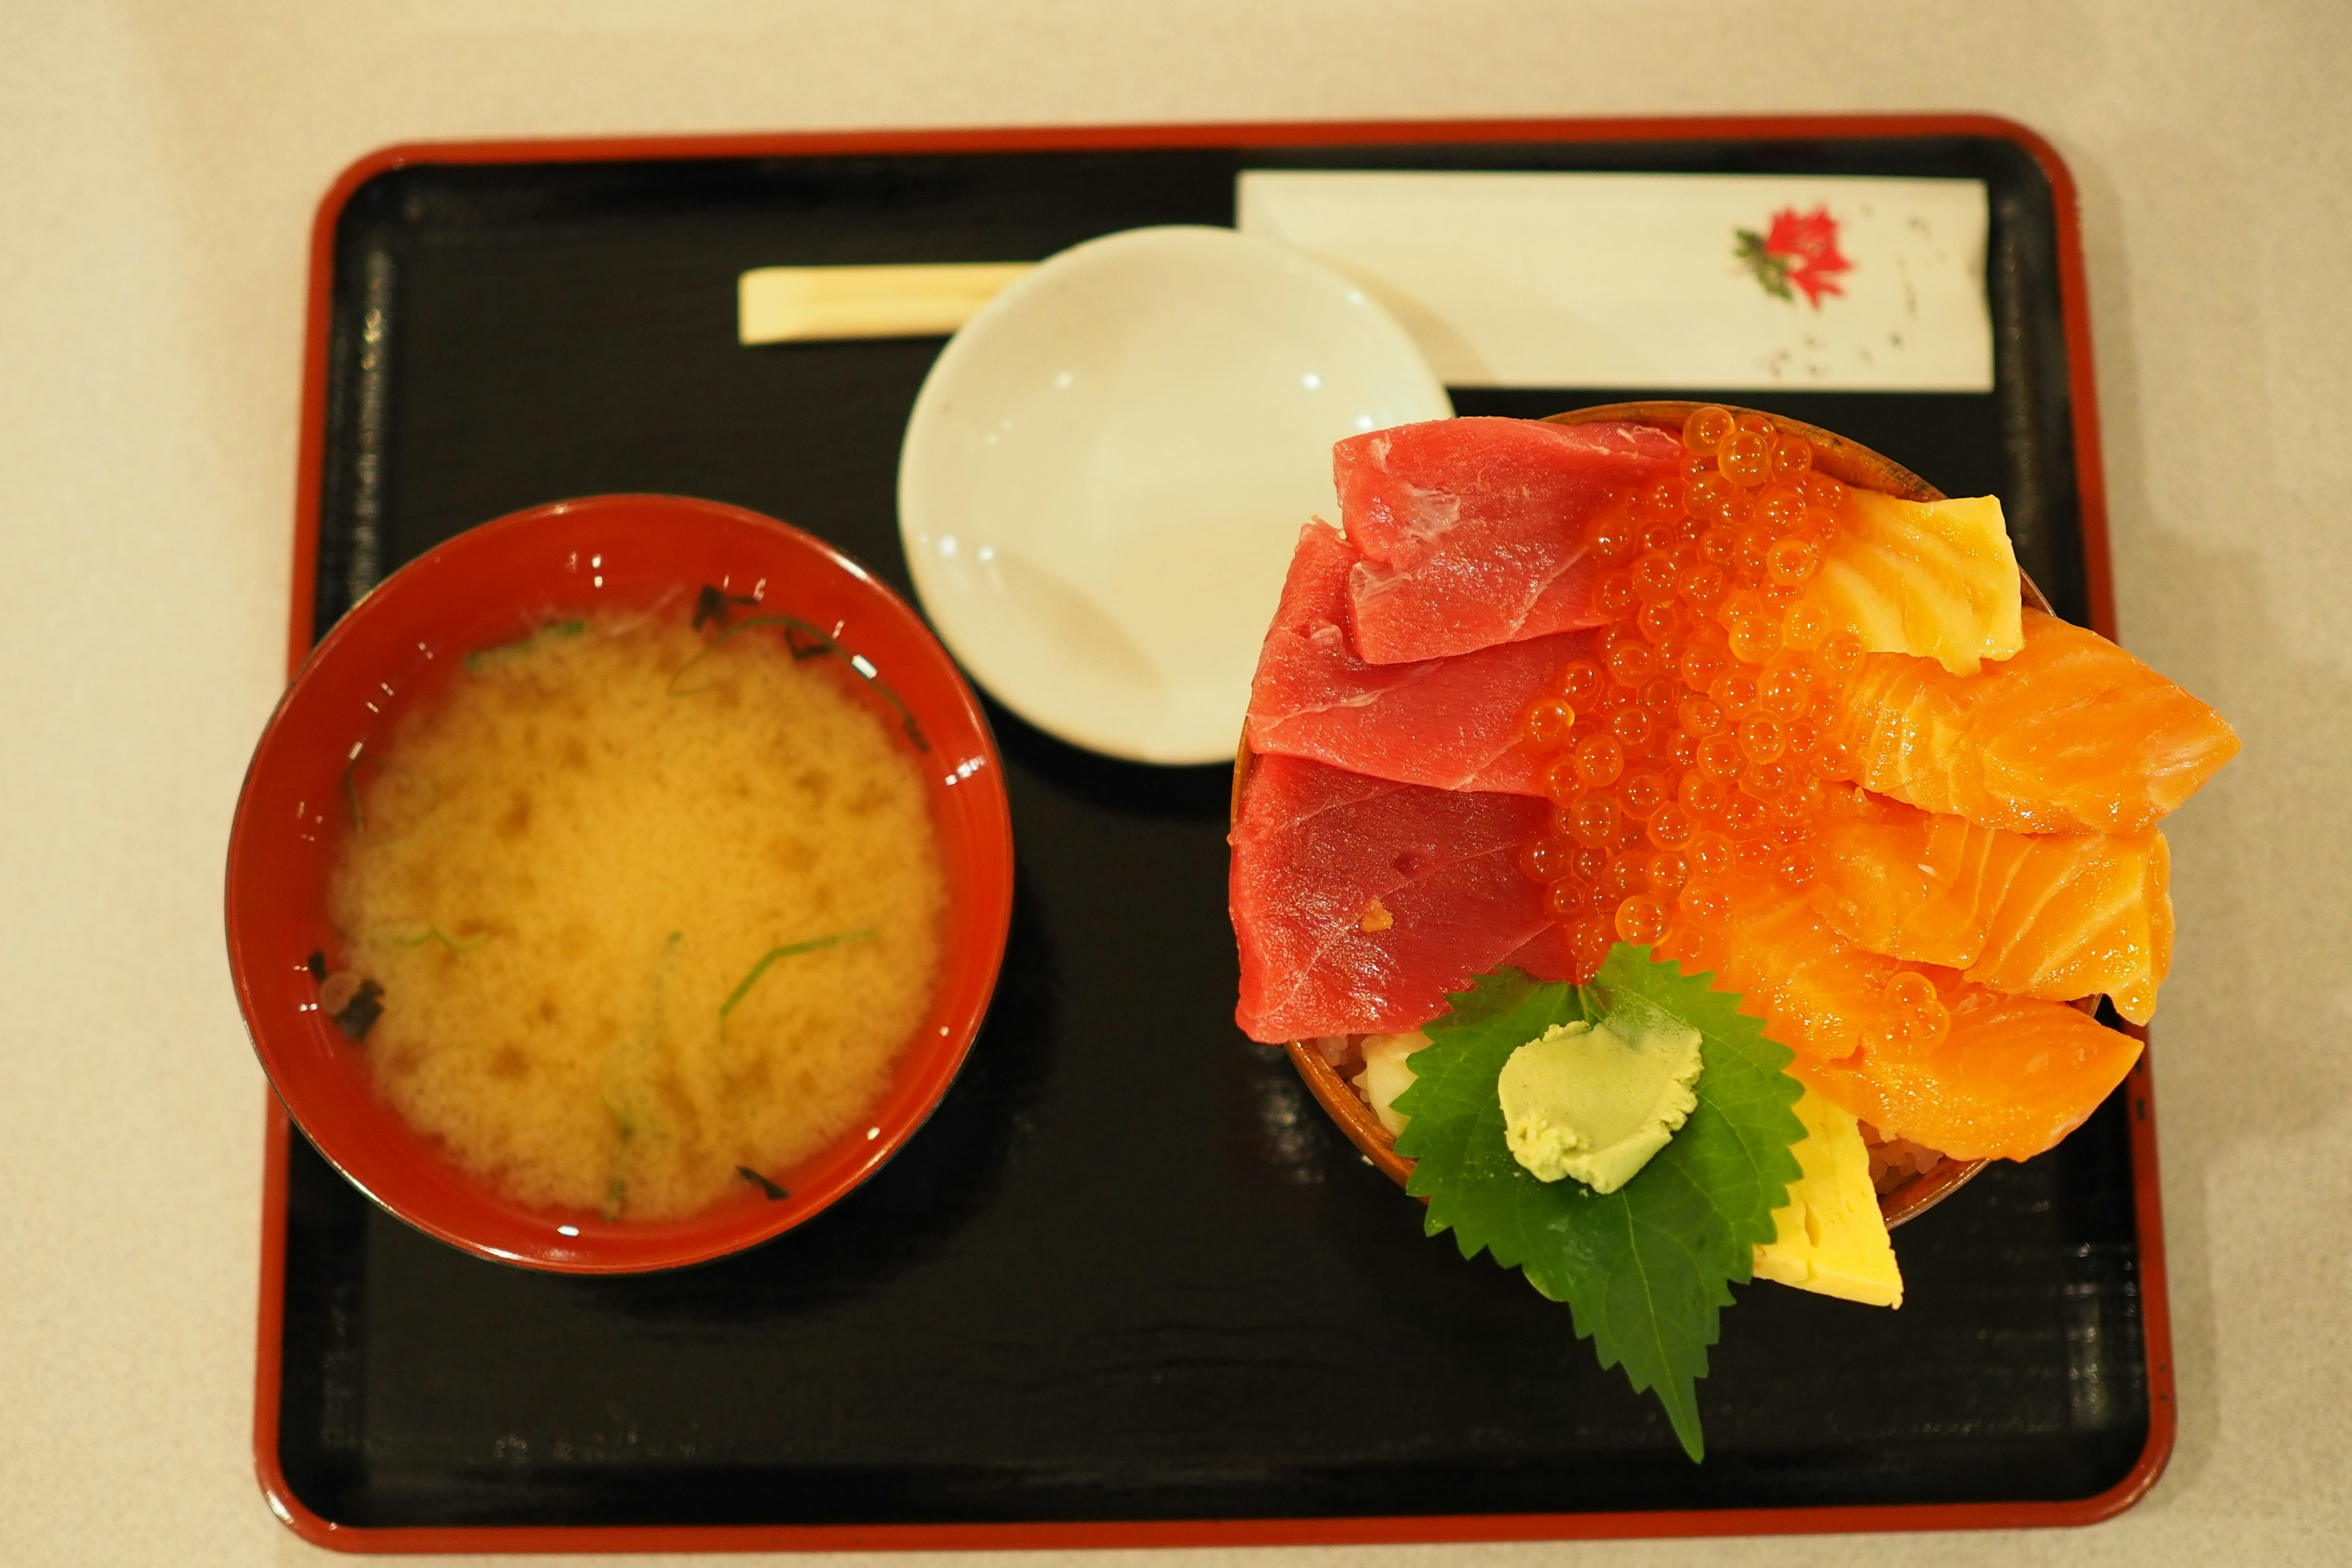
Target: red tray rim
[[2163, 1415]]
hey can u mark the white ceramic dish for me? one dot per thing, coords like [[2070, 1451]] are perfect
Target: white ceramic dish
[[1108, 468]]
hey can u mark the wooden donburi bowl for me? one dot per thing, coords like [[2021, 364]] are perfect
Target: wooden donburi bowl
[[1833, 455]]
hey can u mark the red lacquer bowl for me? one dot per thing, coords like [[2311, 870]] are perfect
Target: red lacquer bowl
[[490, 585]]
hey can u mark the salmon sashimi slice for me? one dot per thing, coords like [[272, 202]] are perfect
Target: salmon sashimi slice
[[1359, 904], [2007, 1076], [2069, 735], [1818, 993], [2012, 1076], [1449, 723], [1472, 531], [1937, 579], [2056, 916]]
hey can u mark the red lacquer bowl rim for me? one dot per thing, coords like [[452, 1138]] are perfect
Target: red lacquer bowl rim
[[505, 574]]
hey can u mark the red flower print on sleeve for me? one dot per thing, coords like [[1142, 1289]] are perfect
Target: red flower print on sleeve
[[1800, 252]]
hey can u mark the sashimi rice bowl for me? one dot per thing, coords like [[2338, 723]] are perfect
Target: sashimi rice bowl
[[1676, 842]]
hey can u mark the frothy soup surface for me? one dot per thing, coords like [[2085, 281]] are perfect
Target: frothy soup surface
[[646, 904]]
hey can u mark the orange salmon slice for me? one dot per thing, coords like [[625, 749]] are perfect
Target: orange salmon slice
[[2069, 735], [1937, 579], [2053, 916], [2008, 1078], [2011, 1078]]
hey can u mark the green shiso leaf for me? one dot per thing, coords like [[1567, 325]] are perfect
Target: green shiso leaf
[[1646, 1270]]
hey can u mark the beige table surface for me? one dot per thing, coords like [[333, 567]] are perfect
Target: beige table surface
[[159, 164]]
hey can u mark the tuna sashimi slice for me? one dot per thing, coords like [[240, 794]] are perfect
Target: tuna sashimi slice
[[1450, 723], [1360, 903], [2011, 1076], [2071, 735], [2051, 915], [1472, 531]]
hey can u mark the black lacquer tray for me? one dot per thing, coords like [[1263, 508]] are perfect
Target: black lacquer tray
[[1129, 1285]]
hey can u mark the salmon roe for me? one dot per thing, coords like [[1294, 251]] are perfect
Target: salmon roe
[[1689, 746]]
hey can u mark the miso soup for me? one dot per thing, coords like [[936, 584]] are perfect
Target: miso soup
[[648, 908]]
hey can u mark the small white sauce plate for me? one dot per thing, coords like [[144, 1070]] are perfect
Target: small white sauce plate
[[1108, 466]]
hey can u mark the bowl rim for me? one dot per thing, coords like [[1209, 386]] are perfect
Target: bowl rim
[[1841, 458], [922, 446], [922, 1072]]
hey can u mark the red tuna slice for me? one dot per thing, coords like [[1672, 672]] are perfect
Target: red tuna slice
[[1359, 902], [1472, 531], [1450, 723]]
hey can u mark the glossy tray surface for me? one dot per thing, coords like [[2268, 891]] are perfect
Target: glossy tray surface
[[1128, 1274]]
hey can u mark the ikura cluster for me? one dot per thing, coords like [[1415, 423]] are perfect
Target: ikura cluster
[[1689, 753]]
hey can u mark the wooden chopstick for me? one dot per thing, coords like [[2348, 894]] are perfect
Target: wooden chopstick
[[789, 304]]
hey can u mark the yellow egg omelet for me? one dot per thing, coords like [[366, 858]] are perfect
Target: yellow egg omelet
[[1832, 1237]]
